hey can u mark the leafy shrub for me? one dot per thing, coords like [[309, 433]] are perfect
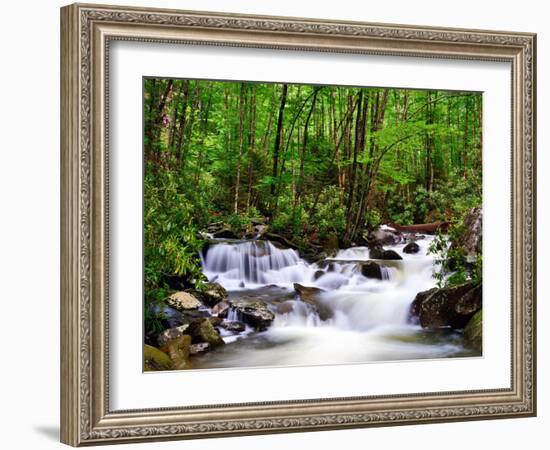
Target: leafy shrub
[[171, 239], [453, 267]]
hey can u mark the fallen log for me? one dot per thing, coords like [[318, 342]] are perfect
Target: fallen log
[[429, 228]]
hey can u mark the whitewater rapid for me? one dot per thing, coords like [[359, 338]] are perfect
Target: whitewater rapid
[[370, 320]]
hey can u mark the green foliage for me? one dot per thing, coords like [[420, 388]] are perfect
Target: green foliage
[[331, 216], [373, 219], [171, 239], [347, 159], [453, 267], [291, 219]]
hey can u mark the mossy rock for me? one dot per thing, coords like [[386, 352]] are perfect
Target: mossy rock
[[210, 294], [473, 333], [178, 352], [155, 359], [202, 330], [183, 301]]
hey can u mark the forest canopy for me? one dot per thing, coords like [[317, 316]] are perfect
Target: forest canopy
[[317, 163]]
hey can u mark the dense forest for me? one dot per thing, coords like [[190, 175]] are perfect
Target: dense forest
[[319, 166]]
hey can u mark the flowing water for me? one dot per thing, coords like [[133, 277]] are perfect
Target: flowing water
[[370, 317]]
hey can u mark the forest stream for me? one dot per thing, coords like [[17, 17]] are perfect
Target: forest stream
[[353, 319]]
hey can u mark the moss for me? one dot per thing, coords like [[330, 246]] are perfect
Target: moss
[[154, 359], [178, 351], [202, 330], [473, 333]]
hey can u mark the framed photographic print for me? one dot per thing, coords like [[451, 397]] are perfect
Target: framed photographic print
[[276, 224]]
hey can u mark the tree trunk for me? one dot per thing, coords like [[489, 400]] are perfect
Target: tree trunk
[[251, 145], [241, 141], [278, 139]]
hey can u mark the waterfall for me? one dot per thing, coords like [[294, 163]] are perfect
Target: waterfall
[[358, 303], [368, 318], [237, 265]]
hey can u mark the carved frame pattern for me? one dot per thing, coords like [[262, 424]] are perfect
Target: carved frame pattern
[[86, 418]]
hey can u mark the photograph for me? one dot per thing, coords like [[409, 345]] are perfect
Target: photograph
[[290, 224]]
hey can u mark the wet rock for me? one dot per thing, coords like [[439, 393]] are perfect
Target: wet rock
[[386, 236], [411, 247], [470, 242], [371, 269], [285, 307], [169, 317], [202, 330], [310, 295], [183, 301], [155, 359], [178, 352], [378, 252], [234, 326], [170, 334], [326, 265], [197, 349], [225, 233], [253, 312], [220, 309], [451, 306], [391, 255], [473, 333], [318, 274], [211, 293]]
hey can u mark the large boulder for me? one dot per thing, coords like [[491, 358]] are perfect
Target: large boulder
[[371, 269], [451, 306], [385, 236], [411, 248], [183, 301], [311, 296], [178, 352], [378, 252], [253, 312], [211, 293], [155, 359], [202, 330], [473, 333], [470, 241]]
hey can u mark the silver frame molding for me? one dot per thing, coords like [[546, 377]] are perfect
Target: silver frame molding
[[86, 31]]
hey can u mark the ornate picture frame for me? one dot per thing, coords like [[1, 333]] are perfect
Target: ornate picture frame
[[86, 34]]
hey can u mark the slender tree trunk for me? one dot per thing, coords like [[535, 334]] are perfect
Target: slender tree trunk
[[182, 121], [300, 186], [241, 141], [251, 145], [359, 136], [278, 139]]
